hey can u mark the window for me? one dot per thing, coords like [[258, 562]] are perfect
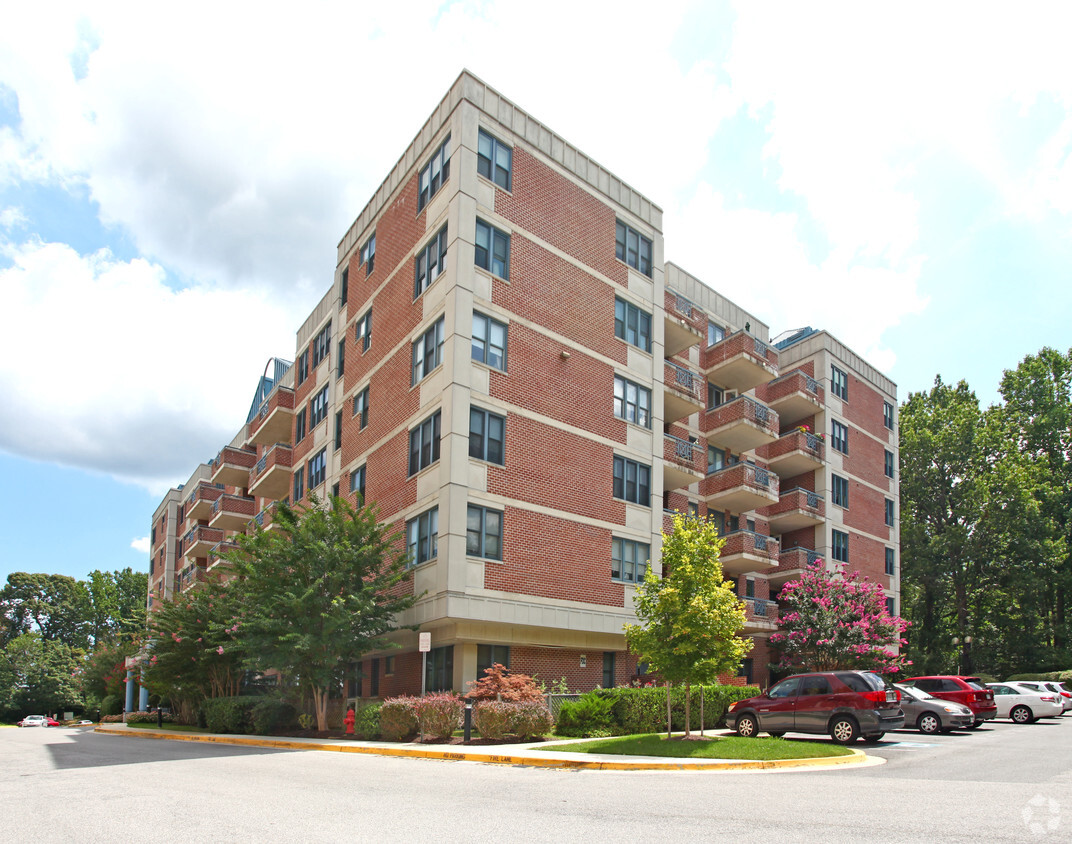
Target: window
[[891, 606], [428, 351], [493, 160], [888, 469], [889, 512], [839, 383], [318, 468], [368, 254], [629, 560], [715, 334], [632, 247], [361, 407], [388, 666], [889, 561], [839, 436], [632, 481], [487, 432], [492, 249], [341, 368], [322, 344], [431, 261], [632, 324], [338, 430], [439, 670], [357, 481], [318, 408], [489, 655], [608, 669], [839, 490], [716, 459], [434, 174], [840, 542], [632, 402], [489, 341], [303, 366], [749, 587], [299, 485], [363, 331], [887, 415], [299, 426], [716, 396], [745, 670], [483, 533], [424, 444], [335, 490], [422, 537], [344, 286]]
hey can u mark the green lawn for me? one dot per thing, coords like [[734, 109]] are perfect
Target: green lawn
[[174, 728], [728, 747]]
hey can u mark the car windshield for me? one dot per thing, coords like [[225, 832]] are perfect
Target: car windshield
[[915, 694], [975, 683]]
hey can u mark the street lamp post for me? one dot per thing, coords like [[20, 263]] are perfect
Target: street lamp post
[[962, 654]]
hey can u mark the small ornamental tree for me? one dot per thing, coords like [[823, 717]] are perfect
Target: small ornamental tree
[[689, 617], [497, 684], [832, 621]]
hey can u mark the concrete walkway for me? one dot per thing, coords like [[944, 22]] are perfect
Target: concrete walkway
[[535, 754]]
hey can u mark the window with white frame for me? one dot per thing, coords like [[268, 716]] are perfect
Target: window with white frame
[[839, 546], [489, 341], [839, 436], [430, 263], [632, 247], [434, 174], [363, 331], [303, 366], [839, 491], [487, 433], [322, 344], [888, 464], [839, 382], [492, 249], [890, 562], [494, 160], [361, 408], [632, 481], [318, 408], [715, 333], [628, 559], [889, 512], [422, 537], [424, 444], [632, 402], [428, 351], [632, 325], [483, 532], [318, 468], [887, 415], [368, 254], [299, 426], [357, 481]]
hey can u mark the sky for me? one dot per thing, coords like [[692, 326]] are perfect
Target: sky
[[900, 175]]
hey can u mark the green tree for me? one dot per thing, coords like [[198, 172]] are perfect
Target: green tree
[[116, 603], [54, 605], [690, 618], [41, 675], [318, 591]]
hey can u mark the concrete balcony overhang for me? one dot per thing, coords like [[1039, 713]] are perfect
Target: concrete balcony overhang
[[683, 462], [791, 565], [273, 475], [274, 422], [683, 391], [747, 551], [215, 561], [684, 324], [199, 503], [232, 465], [793, 454], [740, 425], [796, 508], [265, 520], [794, 396], [232, 512], [740, 362], [740, 488], [200, 540], [761, 616], [189, 578]]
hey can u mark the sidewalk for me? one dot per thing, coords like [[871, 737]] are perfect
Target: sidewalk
[[535, 754]]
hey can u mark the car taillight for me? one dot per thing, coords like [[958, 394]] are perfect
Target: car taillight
[[1049, 698], [984, 695], [876, 697], [733, 706], [1066, 694]]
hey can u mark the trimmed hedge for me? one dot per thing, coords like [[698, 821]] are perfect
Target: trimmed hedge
[[398, 720], [438, 714], [1052, 676], [271, 713], [229, 714], [591, 716], [499, 719], [367, 722]]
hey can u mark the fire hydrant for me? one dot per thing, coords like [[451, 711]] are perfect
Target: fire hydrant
[[349, 721]]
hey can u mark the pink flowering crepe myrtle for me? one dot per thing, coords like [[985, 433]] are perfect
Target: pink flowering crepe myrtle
[[834, 621]]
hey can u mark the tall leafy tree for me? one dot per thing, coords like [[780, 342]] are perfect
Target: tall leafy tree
[[319, 590], [41, 675], [690, 617], [54, 605], [831, 620], [116, 603]]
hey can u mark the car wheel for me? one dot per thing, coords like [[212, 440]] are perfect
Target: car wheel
[[929, 723], [874, 737], [1022, 715], [778, 734], [974, 726], [843, 730], [746, 726]]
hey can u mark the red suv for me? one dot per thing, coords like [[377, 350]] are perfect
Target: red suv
[[970, 691], [841, 704]]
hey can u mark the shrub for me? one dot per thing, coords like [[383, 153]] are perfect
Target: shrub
[[229, 714], [438, 715], [398, 721], [644, 710], [492, 719], [531, 719], [147, 718], [111, 705], [367, 722], [499, 719], [589, 717], [271, 713], [497, 684]]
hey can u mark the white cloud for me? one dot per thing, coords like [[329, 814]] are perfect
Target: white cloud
[[141, 544], [12, 217]]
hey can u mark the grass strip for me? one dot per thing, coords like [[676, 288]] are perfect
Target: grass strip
[[717, 747]]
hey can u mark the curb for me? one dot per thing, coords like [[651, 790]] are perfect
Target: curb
[[602, 763]]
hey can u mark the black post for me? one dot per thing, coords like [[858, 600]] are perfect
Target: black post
[[159, 717], [467, 724]]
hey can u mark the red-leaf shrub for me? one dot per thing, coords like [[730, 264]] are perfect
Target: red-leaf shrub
[[497, 684], [531, 719], [438, 714], [398, 719], [492, 719], [525, 719]]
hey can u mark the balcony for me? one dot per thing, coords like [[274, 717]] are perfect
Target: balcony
[[684, 324], [682, 391], [232, 466], [200, 540], [795, 396], [796, 508], [274, 423], [794, 453], [791, 564], [740, 488], [683, 462], [741, 362], [265, 520], [215, 560], [760, 614], [199, 502], [745, 551], [741, 425], [272, 476], [189, 577], [231, 512]]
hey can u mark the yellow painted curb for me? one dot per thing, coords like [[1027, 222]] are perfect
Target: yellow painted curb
[[857, 757]]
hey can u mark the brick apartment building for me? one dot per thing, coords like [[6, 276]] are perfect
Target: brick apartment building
[[508, 368]]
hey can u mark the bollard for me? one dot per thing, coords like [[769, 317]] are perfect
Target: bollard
[[159, 717], [468, 722]]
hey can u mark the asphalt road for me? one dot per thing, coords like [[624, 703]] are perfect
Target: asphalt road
[[1004, 782]]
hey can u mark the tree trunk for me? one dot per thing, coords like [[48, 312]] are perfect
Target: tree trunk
[[320, 704]]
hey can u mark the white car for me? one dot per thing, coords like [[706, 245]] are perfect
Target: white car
[[1024, 705], [34, 721], [1046, 687]]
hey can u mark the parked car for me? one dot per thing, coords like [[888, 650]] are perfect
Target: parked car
[[841, 704], [1045, 687], [1024, 705], [932, 715], [971, 692], [34, 721]]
